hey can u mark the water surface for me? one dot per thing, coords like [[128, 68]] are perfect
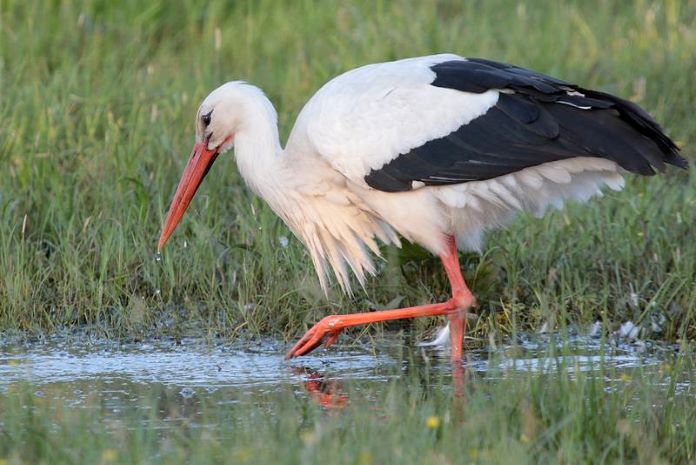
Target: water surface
[[95, 373]]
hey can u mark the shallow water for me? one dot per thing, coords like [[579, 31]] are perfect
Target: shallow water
[[114, 376], [189, 363]]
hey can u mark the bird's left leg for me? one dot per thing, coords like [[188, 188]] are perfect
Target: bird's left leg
[[329, 328], [461, 295]]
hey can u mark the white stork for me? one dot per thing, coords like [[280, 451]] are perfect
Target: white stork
[[436, 149]]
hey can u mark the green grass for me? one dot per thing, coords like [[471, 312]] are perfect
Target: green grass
[[96, 113], [563, 416]]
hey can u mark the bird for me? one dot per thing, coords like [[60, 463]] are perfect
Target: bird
[[436, 150]]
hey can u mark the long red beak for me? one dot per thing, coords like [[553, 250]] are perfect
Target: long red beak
[[197, 167]]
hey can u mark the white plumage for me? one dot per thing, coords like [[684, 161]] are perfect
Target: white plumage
[[375, 153], [363, 119], [366, 117]]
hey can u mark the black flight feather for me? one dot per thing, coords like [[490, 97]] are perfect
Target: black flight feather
[[537, 119]]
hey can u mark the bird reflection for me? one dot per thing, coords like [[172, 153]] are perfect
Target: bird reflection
[[325, 392], [329, 393]]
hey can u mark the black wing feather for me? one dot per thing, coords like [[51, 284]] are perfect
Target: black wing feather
[[538, 120]]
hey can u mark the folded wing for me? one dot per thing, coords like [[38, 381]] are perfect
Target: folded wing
[[447, 120]]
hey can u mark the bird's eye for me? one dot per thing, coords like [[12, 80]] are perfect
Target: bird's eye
[[206, 118]]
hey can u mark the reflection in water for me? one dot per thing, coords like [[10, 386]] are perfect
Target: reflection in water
[[325, 392], [328, 392], [189, 377]]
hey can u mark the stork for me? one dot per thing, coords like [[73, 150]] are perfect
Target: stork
[[435, 149]]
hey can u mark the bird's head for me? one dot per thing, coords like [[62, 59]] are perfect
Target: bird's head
[[218, 119]]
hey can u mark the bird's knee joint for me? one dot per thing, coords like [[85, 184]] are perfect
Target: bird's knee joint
[[464, 300], [330, 321]]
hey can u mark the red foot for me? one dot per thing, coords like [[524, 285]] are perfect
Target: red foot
[[328, 327]]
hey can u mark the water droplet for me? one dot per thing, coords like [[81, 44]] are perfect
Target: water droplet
[[185, 244], [187, 393], [158, 257]]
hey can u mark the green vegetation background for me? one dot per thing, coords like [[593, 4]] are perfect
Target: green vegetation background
[[97, 100]]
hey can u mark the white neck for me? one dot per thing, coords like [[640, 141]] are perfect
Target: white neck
[[257, 146], [337, 234]]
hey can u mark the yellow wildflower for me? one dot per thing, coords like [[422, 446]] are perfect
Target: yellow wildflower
[[432, 422], [109, 455]]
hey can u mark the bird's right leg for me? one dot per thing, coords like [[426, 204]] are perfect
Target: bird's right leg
[[329, 328]]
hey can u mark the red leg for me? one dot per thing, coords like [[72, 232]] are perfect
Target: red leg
[[455, 308], [461, 295], [332, 325]]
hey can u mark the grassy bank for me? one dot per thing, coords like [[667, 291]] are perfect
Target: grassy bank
[[561, 416], [96, 115]]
